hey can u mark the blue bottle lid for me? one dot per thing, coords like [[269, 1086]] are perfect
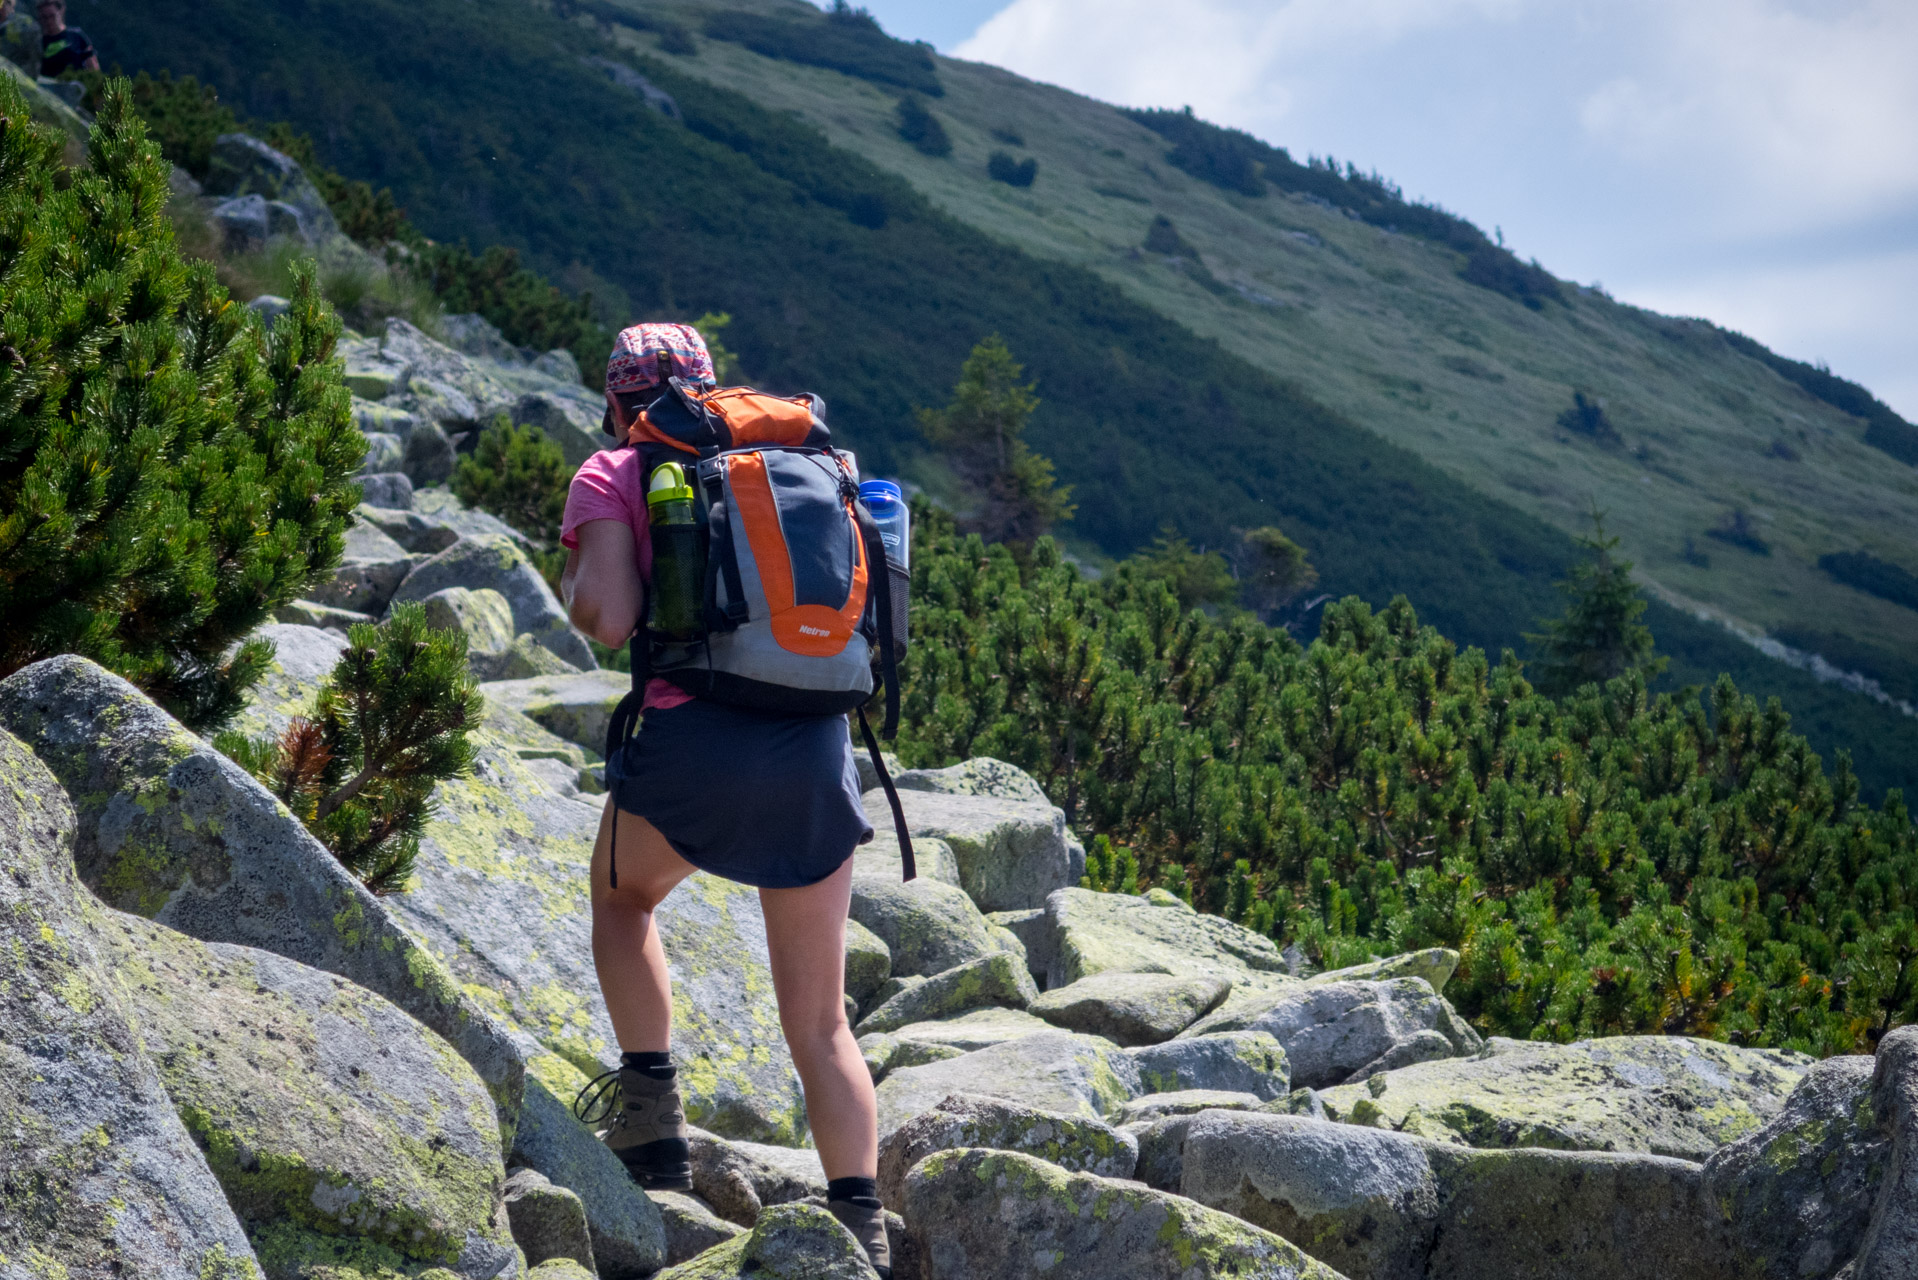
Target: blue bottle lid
[[882, 490]]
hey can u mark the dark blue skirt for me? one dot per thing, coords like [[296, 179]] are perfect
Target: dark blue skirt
[[766, 800]]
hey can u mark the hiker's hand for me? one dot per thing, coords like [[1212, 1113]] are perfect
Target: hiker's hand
[[604, 573]]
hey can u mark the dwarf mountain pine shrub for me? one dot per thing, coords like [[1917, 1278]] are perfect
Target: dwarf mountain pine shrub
[[169, 472], [388, 725], [1611, 862]]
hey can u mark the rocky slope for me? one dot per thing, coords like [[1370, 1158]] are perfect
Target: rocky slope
[[302, 1080]]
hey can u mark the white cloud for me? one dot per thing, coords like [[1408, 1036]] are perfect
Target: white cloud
[[1809, 118]]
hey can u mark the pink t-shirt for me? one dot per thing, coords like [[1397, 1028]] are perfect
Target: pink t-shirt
[[611, 485]]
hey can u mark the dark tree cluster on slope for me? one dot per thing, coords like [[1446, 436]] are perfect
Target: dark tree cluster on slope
[[1609, 863], [169, 473], [1884, 429], [922, 128], [1009, 491], [674, 38], [388, 726], [1737, 529], [1014, 173], [844, 39], [1237, 161], [1587, 417], [1873, 576]]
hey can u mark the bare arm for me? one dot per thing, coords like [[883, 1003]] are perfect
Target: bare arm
[[601, 583]]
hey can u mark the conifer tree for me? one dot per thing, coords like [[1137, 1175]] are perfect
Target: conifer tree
[[1273, 571], [169, 472], [1010, 491], [388, 725], [1599, 636]]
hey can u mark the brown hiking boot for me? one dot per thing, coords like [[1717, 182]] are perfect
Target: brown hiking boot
[[645, 1126], [868, 1227]]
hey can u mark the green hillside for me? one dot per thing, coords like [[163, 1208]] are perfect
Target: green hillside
[[852, 271]]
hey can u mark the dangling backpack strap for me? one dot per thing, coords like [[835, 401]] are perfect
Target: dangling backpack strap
[[892, 798]]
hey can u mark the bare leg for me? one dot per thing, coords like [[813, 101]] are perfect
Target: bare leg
[[806, 934], [626, 947]]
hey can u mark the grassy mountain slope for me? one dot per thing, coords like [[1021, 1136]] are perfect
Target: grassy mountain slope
[[1381, 327], [489, 126]]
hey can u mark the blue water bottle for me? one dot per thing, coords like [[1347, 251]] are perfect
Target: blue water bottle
[[889, 511]]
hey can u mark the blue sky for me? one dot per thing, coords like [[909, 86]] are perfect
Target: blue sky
[[1751, 161]]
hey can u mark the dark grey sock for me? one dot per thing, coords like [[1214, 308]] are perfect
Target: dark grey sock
[[863, 1192], [657, 1065]]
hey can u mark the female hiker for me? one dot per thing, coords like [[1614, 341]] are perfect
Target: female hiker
[[770, 800]]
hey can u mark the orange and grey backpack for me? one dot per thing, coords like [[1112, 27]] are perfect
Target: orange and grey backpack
[[803, 612]]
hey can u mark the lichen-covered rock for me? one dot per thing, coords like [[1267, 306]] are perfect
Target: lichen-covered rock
[[524, 659], [495, 562], [999, 979], [1051, 1071], [321, 1107], [1074, 1143], [1116, 932], [482, 616], [1187, 1102], [172, 830], [1797, 1194], [928, 926], [548, 1221], [577, 707], [1395, 1207], [1011, 853], [1131, 1008], [1236, 1061], [1665, 1095], [629, 1238], [868, 961], [303, 658], [501, 899], [1337, 1031], [419, 533], [739, 1179], [975, 1214], [691, 1225], [1161, 1149], [1889, 1250], [879, 859], [1434, 964], [390, 490], [97, 1174], [980, 776], [557, 1269], [322, 617], [789, 1242], [370, 570], [980, 1029]]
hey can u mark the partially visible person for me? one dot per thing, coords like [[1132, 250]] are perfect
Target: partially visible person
[[20, 41], [64, 48]]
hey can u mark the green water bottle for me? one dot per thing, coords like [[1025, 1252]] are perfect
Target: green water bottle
[[679, 570]]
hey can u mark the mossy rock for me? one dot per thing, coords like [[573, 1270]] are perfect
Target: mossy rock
[[999, 980], [1011, 853], [928, 926], [1131, 1008], [1078, 1144], [980, 1029], [789, 1242], [1236, 1061], [170, 829], [577, 707], [868, 961], [1434, 964], [1050, 1071], [100, 1177], [1798, 1193], [1114, 932], [317, 1103], [1666, 1095], [976, 1213]]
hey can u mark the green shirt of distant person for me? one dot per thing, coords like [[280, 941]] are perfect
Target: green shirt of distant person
[[20, 40], [62, 48]]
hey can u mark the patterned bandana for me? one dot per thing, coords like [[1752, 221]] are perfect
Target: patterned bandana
[[634, 364]]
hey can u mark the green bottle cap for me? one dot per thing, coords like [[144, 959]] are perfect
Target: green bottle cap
[[668, 485]]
